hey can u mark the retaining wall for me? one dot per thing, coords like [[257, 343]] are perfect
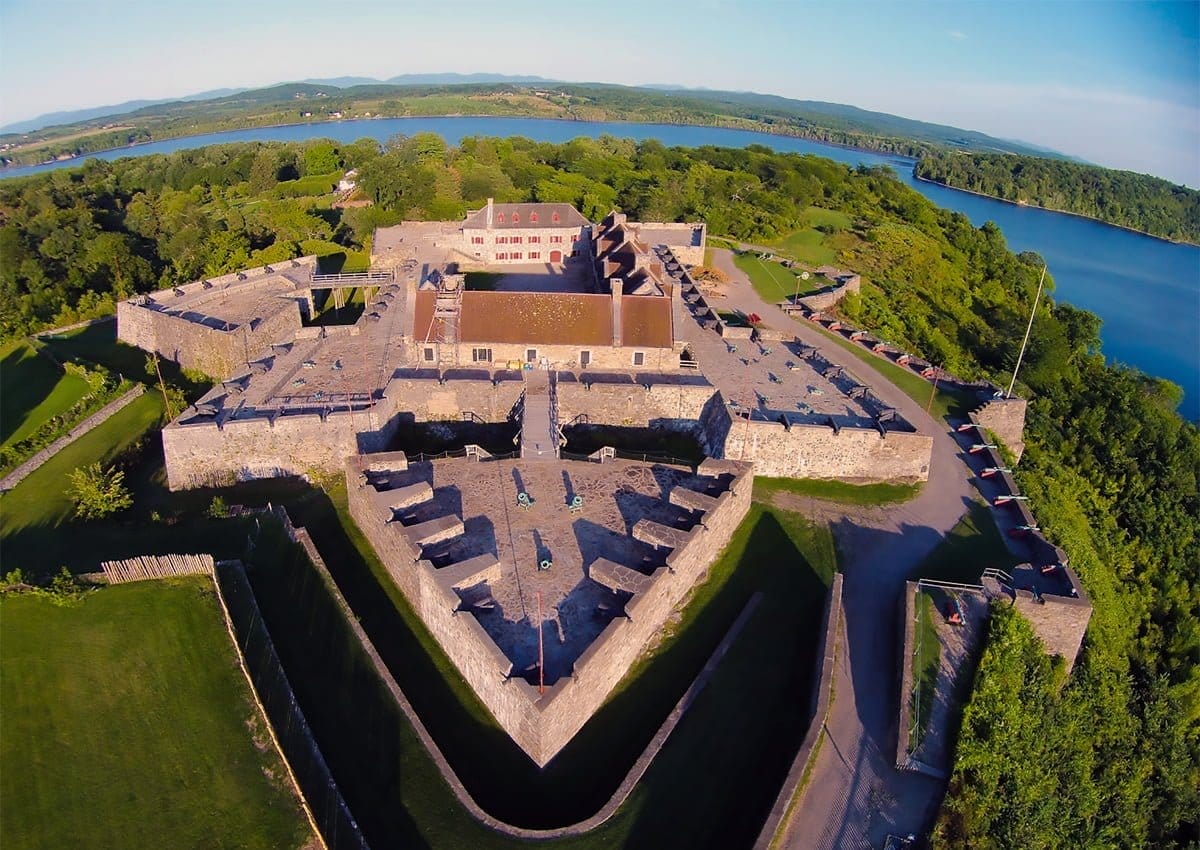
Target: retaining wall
[[817, 451], [1004, 417], [323, 801], [632, 405], [211, 451], [822, 696], [908, 611], [21, 472]]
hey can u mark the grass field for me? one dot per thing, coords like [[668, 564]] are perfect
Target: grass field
[[745, 725], [836, 491], [809, 245], [970, 547], [32, 389], [770, 280], [127, 724], [927, 655]]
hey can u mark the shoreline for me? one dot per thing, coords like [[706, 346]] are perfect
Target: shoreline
[[1125, 227], [766, 130], [762, 129]]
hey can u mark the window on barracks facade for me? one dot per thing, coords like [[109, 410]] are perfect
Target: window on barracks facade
[[481, 355]]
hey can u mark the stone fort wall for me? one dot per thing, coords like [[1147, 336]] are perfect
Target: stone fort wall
[[212, 452], [542, 724], [207, 451], [816, 451], [213, 351]]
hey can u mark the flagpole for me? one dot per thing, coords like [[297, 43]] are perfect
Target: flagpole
[[1028, 328]]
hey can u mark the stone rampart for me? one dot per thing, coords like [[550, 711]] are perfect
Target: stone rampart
[[829, 297], [433, 400], [1060, 621], [193, 345], [1004, 417], [542, 724], [207, 452], [631, 405], [819, 451]]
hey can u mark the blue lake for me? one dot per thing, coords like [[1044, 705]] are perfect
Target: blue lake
[[1147, 291]]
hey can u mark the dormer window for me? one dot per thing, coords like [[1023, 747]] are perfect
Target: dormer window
[[533, 218], [516, 218], [554, 218], [500, 217]]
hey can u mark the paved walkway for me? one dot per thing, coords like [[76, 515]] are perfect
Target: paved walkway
[[855, 795], [538, 428]]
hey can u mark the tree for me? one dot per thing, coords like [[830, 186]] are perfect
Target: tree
[[99, 492]]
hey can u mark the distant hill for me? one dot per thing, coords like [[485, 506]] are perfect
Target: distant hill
[[489, 94], [52, 119], [425, 80]]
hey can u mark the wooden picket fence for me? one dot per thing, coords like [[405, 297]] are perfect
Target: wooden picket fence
[[156, 566]]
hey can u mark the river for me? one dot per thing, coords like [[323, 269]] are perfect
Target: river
[[1146, 291]]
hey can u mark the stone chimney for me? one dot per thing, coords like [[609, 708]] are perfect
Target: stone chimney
[[489, 214], [618, 286]]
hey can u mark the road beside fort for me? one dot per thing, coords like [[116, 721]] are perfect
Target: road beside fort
[[855, 796]]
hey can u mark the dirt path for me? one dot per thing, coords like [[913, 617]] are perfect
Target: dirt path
[[855, 795]]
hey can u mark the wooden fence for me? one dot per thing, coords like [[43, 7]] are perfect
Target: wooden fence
[[156, 566]]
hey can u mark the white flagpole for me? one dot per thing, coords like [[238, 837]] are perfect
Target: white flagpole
[[1029, 328]]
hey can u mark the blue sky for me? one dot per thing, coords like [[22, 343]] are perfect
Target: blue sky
[[1116, 83]]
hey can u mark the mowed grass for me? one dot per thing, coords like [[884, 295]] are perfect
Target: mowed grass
[[836, 491], [32, 390], [127, 724], [809, 245], [971, 546], [43, 498], [770, 280], [926, 657], [712, 784]]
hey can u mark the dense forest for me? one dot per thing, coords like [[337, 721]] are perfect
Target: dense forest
[[1105, 757], [1137, 201]]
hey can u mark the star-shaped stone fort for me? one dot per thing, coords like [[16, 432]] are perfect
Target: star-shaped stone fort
[[543, 578]]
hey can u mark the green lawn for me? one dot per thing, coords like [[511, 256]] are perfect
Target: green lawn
[[32, 389], [336, 259], [927, 655], [770, 280], [127, 724], [809, 245], [43, 499], [836, 491], [329, 313], [970, 547], [745, 726]]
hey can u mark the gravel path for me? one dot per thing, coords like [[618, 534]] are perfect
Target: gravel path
[[855, 796]]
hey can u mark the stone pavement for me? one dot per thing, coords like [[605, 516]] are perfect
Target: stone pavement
[[855, 796]]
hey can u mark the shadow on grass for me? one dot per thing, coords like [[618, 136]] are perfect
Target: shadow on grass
[[971, 546], [747, 724]]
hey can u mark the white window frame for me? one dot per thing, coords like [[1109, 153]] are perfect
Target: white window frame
[[429, 354], [486, 358], [639, 358], [585, 357], [531, 355]]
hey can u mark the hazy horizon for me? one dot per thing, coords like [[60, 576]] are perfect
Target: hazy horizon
[[1113, 83]]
